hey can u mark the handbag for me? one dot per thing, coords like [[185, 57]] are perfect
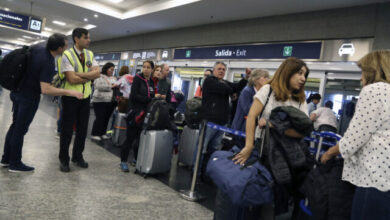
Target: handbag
[[248, 185]]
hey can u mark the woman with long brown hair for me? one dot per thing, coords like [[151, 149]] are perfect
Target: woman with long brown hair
[[286, 88]]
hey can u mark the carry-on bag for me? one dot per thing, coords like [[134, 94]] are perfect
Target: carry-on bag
[[187, 145], [155, 152], [248, 185], [119, 132]]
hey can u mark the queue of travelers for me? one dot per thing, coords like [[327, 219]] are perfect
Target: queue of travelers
[[262, 103]]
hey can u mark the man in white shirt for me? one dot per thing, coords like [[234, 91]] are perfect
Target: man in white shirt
[[324, 118]]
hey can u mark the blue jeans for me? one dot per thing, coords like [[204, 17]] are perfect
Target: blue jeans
[[370, 203], [212, 142], [24, 109]]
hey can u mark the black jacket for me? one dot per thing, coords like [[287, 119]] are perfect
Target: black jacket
[[329, 197], [285, 153], [139, 96], [215, 98]]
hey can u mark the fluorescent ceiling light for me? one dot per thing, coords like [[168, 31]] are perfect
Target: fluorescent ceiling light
[[21, 39], [86, 19], [7, 9], [28, 37], [96, 15], [116, 1], [59, 23], [48, 29], [131, 13], [89, 26]]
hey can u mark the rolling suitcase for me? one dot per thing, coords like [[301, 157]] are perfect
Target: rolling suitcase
[[187, 145], [120, 127], [155, 152]]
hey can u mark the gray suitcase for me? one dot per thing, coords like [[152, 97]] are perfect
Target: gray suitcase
[[154, 152], [187, 145], [120, 130]]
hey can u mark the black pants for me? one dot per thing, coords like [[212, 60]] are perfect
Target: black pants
[[73, 110], [132, 139], [103, 112], [327, 128]]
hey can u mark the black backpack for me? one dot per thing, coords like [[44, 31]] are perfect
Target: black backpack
[[157, 115], [192, 113], [13, 68]]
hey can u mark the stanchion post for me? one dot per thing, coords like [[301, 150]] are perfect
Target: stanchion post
[[192, 195]]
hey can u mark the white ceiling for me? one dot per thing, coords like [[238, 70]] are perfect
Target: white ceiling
[[153, 15]]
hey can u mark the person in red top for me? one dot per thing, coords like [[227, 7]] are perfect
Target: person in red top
[[156, 76], [206, 73]]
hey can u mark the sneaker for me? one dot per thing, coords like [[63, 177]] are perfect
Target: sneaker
[[81, 163], [21, 167], [133, 163], [4, 164], [96, 138], [106, 136], [64, 167], [124, 167]]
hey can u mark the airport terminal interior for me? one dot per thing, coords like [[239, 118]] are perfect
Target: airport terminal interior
[[188, 37]]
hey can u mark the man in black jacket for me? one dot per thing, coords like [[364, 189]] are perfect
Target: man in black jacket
[[215, 104]]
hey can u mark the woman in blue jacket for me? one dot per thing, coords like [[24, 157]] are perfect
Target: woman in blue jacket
[[257, 79]]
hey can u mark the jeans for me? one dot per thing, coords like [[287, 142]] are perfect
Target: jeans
[[370, 203], [74, 110], [132, 140], [24, 109]]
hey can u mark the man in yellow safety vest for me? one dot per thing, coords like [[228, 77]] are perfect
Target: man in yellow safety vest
[[78, 67]]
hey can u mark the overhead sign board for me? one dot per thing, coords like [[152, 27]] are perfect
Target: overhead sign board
[[19, 21], [35, 24], [144, 55], [14, 20], [346, 50], [305, 50], [107, 56]]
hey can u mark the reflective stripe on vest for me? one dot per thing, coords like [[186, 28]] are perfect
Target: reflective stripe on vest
[[70, 54]]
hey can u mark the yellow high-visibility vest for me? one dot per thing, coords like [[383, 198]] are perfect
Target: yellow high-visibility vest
[[74, 60]]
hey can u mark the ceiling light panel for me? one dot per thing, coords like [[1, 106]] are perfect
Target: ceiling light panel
[[115, 1], [132, 11], [59, 23]]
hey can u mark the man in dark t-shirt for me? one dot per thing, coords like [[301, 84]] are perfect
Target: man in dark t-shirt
[[25, 102]]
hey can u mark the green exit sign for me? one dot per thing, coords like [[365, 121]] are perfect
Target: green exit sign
[[188, 53], [287, 51]]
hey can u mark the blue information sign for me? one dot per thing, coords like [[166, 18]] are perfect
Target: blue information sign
[[310, 50], [14, 20], [108, 56]]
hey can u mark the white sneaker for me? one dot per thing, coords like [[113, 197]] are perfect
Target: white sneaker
[[96, 138], [106, 137]]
